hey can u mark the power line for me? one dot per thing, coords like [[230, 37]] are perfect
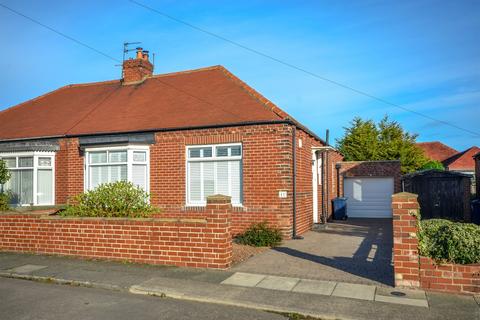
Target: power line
[[315, 75], [60, 33], [111, 58]]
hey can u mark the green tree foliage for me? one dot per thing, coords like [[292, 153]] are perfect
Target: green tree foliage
[[4, 177], [432, 164], [364, 140], [4, 173]]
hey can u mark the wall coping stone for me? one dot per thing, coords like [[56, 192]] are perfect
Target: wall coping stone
[[46, 216], [405, 195]]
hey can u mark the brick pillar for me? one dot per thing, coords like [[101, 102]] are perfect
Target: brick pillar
[[219, 215], [405, 242]]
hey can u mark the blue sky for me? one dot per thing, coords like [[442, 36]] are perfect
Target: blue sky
[[424, 55]]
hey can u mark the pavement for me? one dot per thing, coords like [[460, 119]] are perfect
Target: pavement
[[354, 251], [318, 298]]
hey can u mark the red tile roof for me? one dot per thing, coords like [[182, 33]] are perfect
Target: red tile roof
[[463, 161], [195, 98], [436, 150]]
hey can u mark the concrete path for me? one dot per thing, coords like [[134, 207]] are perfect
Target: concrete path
[[354, 251], [282, 294], [329, 288]]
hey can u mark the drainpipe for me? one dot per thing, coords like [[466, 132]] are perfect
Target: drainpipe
[[294, 183], [337, 167], [327, 170], [324, 216]]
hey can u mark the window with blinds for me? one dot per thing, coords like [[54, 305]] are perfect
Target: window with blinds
[[31, 181], [109, 165], [214, 169]]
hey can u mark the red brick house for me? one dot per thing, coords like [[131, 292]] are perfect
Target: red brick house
[[477, 173], [180, 136], [452, 159]]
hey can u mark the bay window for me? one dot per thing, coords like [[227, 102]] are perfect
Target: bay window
[[214, 169], [106, 165], [32, 178]]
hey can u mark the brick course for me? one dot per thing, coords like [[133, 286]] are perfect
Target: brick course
[[415, 271], [203, 240]]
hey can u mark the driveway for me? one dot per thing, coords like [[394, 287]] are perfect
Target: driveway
[[356, 251]]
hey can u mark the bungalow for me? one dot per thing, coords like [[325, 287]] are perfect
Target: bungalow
[[181, 136]]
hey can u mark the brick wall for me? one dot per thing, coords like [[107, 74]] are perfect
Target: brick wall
[[412, 270], [68, 170], [350, 169], [203, 240]]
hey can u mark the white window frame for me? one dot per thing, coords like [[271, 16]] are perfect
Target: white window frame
[[213, 158], [36, 155], [130, 149]]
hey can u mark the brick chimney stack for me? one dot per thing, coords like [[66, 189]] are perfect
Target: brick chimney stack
[[138, 69]]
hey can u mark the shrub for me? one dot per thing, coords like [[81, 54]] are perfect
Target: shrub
[[117, 199], [4, 173], [260, 235], [449, 241], [432, 164], [4, 202]]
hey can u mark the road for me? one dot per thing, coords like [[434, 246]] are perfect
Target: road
[[21, 299]]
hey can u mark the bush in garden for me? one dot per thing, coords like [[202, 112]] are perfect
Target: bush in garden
[[448, 241], [117, 199], [4, 177], [4, 202], [260, 235]]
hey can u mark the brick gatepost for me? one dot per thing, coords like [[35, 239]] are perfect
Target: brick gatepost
[[405, 209]]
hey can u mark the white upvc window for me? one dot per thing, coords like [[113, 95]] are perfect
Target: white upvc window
[[214, 169], [111, 164], [32, 180]]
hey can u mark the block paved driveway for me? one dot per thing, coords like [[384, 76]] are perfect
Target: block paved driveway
[[355, 251]]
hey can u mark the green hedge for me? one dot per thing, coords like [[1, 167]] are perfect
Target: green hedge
[[117, 199], [448, 241], [260, 235]]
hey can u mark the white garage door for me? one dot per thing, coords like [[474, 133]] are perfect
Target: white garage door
[[369, 197]]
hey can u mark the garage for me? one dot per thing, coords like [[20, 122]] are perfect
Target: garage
[[369, 197]]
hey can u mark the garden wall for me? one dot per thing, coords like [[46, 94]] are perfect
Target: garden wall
[[202, 240], [412, 270]]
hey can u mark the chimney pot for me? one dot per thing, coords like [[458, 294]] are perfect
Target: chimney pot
[[139, 53]]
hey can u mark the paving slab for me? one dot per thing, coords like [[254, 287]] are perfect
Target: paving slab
[[401, 293], [278, 283], [27, 268], [402, 300], [315, 287], [354, 291], [244, 279]]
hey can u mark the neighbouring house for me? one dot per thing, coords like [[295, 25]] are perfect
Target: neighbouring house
[[181, 136], [452, 159], [477, 173]]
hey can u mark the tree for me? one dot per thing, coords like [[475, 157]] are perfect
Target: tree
[[4, 173], [4, 177], [364, 140], [432, 164]]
